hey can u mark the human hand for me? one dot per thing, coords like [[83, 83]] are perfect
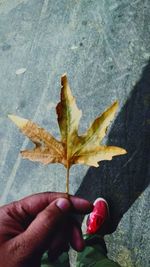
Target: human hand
[[39, 223]]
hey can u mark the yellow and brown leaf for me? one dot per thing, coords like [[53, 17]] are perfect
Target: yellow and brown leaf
[[72, 149]]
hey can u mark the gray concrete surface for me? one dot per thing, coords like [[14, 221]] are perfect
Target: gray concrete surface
[[104, 46]]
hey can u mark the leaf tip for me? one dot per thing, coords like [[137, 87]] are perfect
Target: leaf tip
[[20, 122], [116, 104], [64, 79], [124, 151], [121, 151]]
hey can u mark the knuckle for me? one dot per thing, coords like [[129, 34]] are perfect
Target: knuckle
[[19, 247]]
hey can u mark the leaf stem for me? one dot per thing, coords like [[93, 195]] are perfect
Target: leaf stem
[[67, 180]]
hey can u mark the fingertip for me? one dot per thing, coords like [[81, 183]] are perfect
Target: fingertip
[[80, 245], [76, 239], [81, 205], [63, 204]]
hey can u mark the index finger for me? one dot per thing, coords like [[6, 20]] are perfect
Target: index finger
[[34, 204]]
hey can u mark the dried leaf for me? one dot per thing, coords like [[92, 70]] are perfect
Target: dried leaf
[[72, 149]]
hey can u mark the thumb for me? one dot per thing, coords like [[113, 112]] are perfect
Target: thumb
[[37, 235]]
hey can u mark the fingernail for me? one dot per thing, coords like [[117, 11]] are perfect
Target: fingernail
[[63, 204]]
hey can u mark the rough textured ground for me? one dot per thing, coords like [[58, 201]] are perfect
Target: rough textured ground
[[104, 46]]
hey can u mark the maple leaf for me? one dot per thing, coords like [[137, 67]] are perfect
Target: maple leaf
[[73, 148]]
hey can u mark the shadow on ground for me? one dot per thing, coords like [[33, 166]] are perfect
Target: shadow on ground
[[122, 180]]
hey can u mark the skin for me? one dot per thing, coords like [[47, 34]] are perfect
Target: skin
[[39, 223]]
